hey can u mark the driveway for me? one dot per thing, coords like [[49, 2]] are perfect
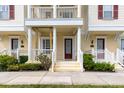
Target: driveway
[[69, 78]]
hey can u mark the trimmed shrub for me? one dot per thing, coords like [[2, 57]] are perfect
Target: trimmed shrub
[[45, 61], [103, 67], [88, 62], [13, 67], [23, 59], [90, 65], [29, 66], [5, 61]]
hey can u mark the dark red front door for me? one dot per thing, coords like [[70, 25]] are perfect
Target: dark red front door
[[68, 48]]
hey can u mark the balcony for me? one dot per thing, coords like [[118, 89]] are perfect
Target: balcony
[[41, 12], [49, 16], [47, 12]]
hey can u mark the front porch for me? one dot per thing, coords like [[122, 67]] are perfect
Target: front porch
[[61, 44]]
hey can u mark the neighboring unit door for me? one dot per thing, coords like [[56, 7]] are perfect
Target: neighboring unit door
[[100, 48], [14, 43], [14, 46], [68, 48], [122, 44]]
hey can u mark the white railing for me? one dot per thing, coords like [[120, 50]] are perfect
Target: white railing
[[103, 55], [81, 61], [120, 56], [47, 12], [36, 52], [42, 12], [3, 52], [66, 12]]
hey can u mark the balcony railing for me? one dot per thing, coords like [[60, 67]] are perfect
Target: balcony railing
[[66, 12], [42, 12], [47, 12]]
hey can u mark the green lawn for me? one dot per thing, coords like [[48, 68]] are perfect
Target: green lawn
[[61, 86]]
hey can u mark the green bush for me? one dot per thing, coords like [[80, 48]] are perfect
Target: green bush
[[23, 59], [88, 62], [90, 65], [29, 66], [5, 61], [13, 67], [103, 67], [45, 61]]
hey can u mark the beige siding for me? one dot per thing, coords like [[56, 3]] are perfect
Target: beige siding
[[93, 17]]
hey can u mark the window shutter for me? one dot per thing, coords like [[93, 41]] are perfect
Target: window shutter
[[115, 12], [12, 12], [100, 11]]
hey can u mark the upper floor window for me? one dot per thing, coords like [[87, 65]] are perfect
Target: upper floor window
[[4, 12], [108, 12], [7, 12]]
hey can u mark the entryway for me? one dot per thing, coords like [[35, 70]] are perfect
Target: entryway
[[100, 48], [68, 48]]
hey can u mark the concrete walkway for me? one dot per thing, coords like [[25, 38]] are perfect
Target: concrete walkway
[[69, 78]]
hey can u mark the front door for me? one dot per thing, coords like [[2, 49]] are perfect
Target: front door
[[100, 48], [14, 43], [68, 48], [14, 46]]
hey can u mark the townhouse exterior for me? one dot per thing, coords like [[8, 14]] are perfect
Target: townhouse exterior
[[64, 33]]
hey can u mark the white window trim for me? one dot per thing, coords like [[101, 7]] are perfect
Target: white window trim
[[8, 17], [112, 13], [41, 42]]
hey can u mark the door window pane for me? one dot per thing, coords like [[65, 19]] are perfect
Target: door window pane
[[100, 44], [14, 44], [68, 46], [122, 44]]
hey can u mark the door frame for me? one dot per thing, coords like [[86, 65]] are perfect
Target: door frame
[[12, 37], [102, 37], [73, 43]]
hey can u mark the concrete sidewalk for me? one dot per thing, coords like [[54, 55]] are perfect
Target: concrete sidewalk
[[69, 78]]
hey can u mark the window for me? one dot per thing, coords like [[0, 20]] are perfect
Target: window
[[46, 46], [122, 44], [4, 12], [107, 11]]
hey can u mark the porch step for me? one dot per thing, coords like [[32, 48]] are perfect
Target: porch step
[[118, 67], [67, 66]]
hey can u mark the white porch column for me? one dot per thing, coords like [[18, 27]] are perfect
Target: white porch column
[[29, 44], [79, 11], [29, 11], [54, 41], [78, 43], [54, 11]]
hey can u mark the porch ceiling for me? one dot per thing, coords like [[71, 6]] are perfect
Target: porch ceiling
[[59, 29], [12, 33]]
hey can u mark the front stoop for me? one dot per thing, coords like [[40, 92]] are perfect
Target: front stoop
[[66, 67], [118, 67]]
